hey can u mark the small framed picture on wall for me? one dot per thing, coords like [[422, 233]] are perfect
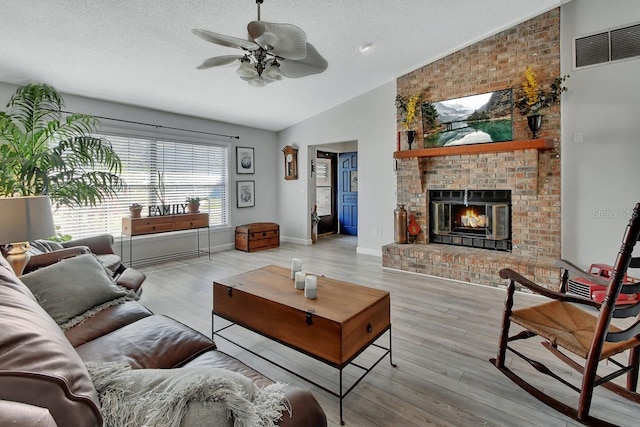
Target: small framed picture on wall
[[245, 160], [246, 194]]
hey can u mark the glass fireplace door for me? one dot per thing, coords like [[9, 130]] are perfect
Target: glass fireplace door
[[442, 220], [499, 222]]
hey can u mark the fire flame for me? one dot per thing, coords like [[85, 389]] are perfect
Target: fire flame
[[472, 219]]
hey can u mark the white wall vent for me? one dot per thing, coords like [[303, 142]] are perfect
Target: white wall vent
[[612, 45]]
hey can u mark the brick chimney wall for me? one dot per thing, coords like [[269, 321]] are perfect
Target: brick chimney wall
[[495, 63]]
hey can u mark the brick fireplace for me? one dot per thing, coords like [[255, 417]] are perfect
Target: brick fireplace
[[471, 218], [535, 215], [530, 175]]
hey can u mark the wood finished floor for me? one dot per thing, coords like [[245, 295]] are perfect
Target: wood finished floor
[[444, 332]]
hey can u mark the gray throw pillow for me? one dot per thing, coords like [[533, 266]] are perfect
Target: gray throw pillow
[[72, 286]]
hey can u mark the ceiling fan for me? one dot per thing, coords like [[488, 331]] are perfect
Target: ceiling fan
[[273, 51]]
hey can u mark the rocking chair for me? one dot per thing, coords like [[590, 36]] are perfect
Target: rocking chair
[[589, 335]]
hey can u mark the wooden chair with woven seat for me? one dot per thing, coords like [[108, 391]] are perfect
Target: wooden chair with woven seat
[[587, 333]]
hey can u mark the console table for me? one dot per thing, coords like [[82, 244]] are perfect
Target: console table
[[163, 224]]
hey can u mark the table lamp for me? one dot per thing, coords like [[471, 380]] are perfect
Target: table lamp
[[23, 219]]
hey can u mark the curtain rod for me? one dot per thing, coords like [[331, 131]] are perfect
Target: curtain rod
[[159, 126]]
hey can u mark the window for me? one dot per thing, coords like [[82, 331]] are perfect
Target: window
[[186, 168], [323, 186]]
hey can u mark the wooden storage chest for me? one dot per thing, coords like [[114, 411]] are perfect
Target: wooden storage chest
[[338, 325], [257, 236]]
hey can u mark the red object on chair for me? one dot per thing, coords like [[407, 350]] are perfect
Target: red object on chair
[[590, 287]]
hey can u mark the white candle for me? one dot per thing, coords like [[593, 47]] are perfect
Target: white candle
[[296, 265], [311, 287], [299, 279]]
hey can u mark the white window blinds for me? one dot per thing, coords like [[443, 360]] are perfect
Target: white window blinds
[[186, 168]]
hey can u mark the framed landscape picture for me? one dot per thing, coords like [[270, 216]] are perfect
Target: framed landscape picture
[[246, 193], [245, 160], [475, 119]]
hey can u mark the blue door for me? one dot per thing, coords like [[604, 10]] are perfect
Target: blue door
[[348, 194]]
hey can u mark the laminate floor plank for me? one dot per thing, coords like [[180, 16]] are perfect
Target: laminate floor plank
[[443, 333]]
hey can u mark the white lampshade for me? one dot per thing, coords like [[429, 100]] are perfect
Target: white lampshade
[[247, 70], [273, 72], [24, 219]]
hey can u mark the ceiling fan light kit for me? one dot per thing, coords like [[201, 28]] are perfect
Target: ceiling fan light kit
[[274, 51]]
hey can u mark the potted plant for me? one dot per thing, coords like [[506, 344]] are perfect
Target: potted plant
[[533, 98], [193, 203], [135, 209], [44, 153]]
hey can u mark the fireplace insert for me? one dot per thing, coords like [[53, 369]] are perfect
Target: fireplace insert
[[474, 218]]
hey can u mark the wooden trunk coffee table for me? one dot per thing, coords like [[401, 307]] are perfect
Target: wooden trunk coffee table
[[342, 322]]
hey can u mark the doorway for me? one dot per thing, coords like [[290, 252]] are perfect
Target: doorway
[[326, 194]]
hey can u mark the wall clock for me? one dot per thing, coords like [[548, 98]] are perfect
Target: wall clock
[[290, 162]]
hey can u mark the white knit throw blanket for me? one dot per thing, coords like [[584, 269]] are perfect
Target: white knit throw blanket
[[161, 397]]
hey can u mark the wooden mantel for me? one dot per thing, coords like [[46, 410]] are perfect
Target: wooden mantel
[[538, 144]]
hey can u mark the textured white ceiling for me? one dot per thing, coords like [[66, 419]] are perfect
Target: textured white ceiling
[[142, 52]]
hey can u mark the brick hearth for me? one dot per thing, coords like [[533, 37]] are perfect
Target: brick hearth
[[468, 264]]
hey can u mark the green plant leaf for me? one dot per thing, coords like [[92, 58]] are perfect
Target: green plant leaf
[[43, 153]]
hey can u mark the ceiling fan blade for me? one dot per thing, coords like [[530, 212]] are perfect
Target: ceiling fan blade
[[217, 61], [223, 40], [283, 40], [314, 63]]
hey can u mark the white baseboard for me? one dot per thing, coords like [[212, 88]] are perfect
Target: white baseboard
[[297, 241], [369, 251], [222, 248]]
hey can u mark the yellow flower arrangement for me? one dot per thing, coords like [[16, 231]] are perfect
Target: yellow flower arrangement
[[530, 86], [533, 98], [408, 110]]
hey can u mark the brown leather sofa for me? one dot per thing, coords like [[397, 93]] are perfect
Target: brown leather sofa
[[45, 252], [43, 378]]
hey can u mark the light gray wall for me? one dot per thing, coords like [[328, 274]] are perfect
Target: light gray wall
[[266, 156], [600, 175], [370, 120]]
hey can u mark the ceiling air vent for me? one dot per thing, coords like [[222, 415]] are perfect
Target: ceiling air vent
[[592, 50], [625, 42], [613, 45]]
